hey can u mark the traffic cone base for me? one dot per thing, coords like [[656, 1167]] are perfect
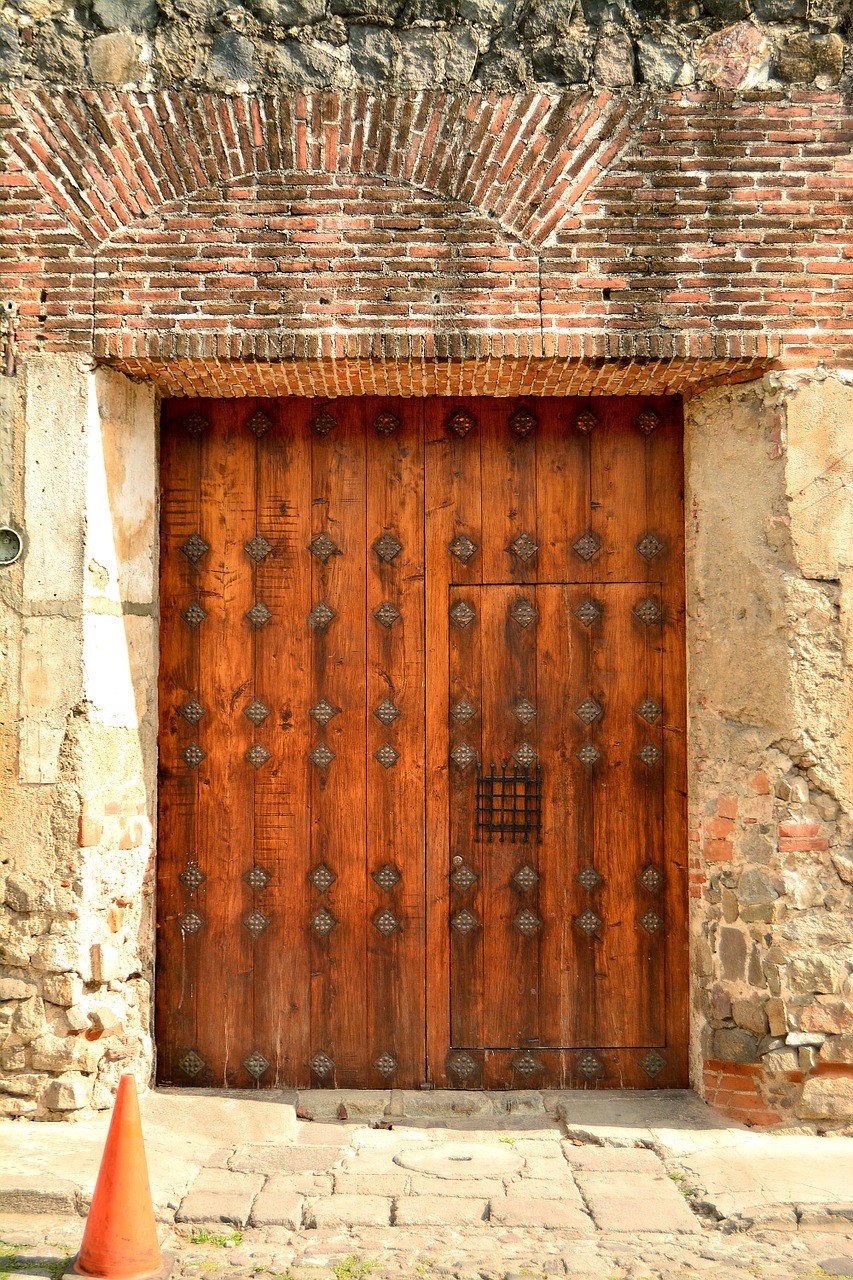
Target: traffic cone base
[[120, 1237]]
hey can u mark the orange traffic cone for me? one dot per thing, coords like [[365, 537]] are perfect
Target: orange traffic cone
[[120, 1237]]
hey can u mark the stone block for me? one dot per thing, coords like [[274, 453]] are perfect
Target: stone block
[[277, 1206], [24, 1085], [838, 1049], [372, 51], [776, 1017], [562, 1188], [828, 1013], [548, 1215], [436, 1211], [826, 1098], [662, 65], [16, 944], [779, 1061], [17, 989], [64, 989], [804, 58], [232, 57], [28, 1021], [29, 1193], [731, 951], [424, 1185], [323, 1104], [613, 62], [65, 1095], [635, 1202], [218, 1195], [378, 1184], [814, 973], [614, 1159], [133, 15], [750, 1015], [56, 954], [11, 1108], [348, 1211], [52, 1053], [284, 1159], [114, 58], [736, 58], [734, 1045], [23, 894]]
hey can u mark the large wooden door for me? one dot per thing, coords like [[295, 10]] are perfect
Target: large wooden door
[[422, 744]]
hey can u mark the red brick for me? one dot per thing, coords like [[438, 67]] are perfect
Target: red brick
[[90, 831], [718, 850]]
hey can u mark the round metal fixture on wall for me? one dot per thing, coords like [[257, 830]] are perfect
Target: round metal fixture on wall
[[11, 545]]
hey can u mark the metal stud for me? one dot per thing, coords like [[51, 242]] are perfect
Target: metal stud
[[195, 548], [465, 922], [321, 1064], [322, 756], [462, 1065], [256, 1064], [650, 878], [650, 546], [463, 877], [462, 614], [526, 877], [526, 1065], [259, 615], [322, 877], [386, 922], [323, 547], [320, 616], [387, 547], [191, 922], [256, 923], [525, 755], [586, 422], [588, 612], [323, 423], [257, 879], [647, 421], [589, 879], [256, 711], [463, 755], [523, 612], [460, 423], [524, 547], [524, 711], [527, 923], [194, 615], [192, 877], [387, 755], [323, 712], [258, 549], [386, 423], [193, 711], [586, 546], [651, 921], [386, 1064], [323, 922], [463, 711], [463, 548], [588, 754], [589, 711], [522, 422], [191, 1064], [387, 877], [386, 615], [650, 711], [259, 423], [195, 423], [193, 755], [589, 1065], [257, 755], [588, 921], [387, 712], [648, 612], [649, 754], [652, 1063]]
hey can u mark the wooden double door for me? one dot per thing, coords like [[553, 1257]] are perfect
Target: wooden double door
[[422, 772]]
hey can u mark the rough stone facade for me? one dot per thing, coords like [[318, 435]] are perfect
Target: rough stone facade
[[660, 202]]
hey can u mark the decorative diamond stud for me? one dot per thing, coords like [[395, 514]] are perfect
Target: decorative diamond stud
[[387, 547], [256, 923], [526, 1065], [463, 711], [588, 754], [322, 878], [323, 922], [195, 548], [256, 1064], [321, 756], [524, 547], [193, 711], [525, 755], [193, 755], [588, 612], [650, 546], [192, 877], [586, 422], [259, 615], [387, 712], [323, 712], [323, 547], [194, 615], [256, 711], [463, 877], [386, 922], [386, 1064], [649, 754], [589, 1065], [387, 877], [387, 755], [589, 711], [462, 1065], [321, 1064], [386, 423], [647, 421], [586, 546], [524, 711], [522, 422], [465, 922], [463, 548], [651, 921], [588, 921], [320, 616], [462, 614], [650, 878], [259, 423], [648, 612], [323, 423], [386, 615], [257, 755], [191, 922], [191, 1064], [589, 879], [460, 423], [526, 877], [258, 549], [527, 923], [257, 879], [195, 423], [463, 755], [523, 612], [650, 711], [652, 1063]]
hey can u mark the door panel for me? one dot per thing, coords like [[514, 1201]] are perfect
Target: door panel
[[331, 910]]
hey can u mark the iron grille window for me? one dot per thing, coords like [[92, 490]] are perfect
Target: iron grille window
[[509, 803]]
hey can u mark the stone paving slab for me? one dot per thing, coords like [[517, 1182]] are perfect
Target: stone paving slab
[[218, 1195], [635, 1202], [613, 1159], [548, 1214], [348, 1211], [277, 1205], [440, 1211], [285, 1158]]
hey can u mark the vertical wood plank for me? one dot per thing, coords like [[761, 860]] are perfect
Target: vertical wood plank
[[508, 470], [562, 491], [394, 920]]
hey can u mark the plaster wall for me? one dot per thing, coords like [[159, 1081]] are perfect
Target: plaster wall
[[770, 509]]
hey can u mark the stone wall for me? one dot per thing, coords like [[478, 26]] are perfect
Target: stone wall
[[493, 44], [770, 577], [78, 632]]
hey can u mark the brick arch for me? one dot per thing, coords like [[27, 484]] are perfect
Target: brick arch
[[103, 159]]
